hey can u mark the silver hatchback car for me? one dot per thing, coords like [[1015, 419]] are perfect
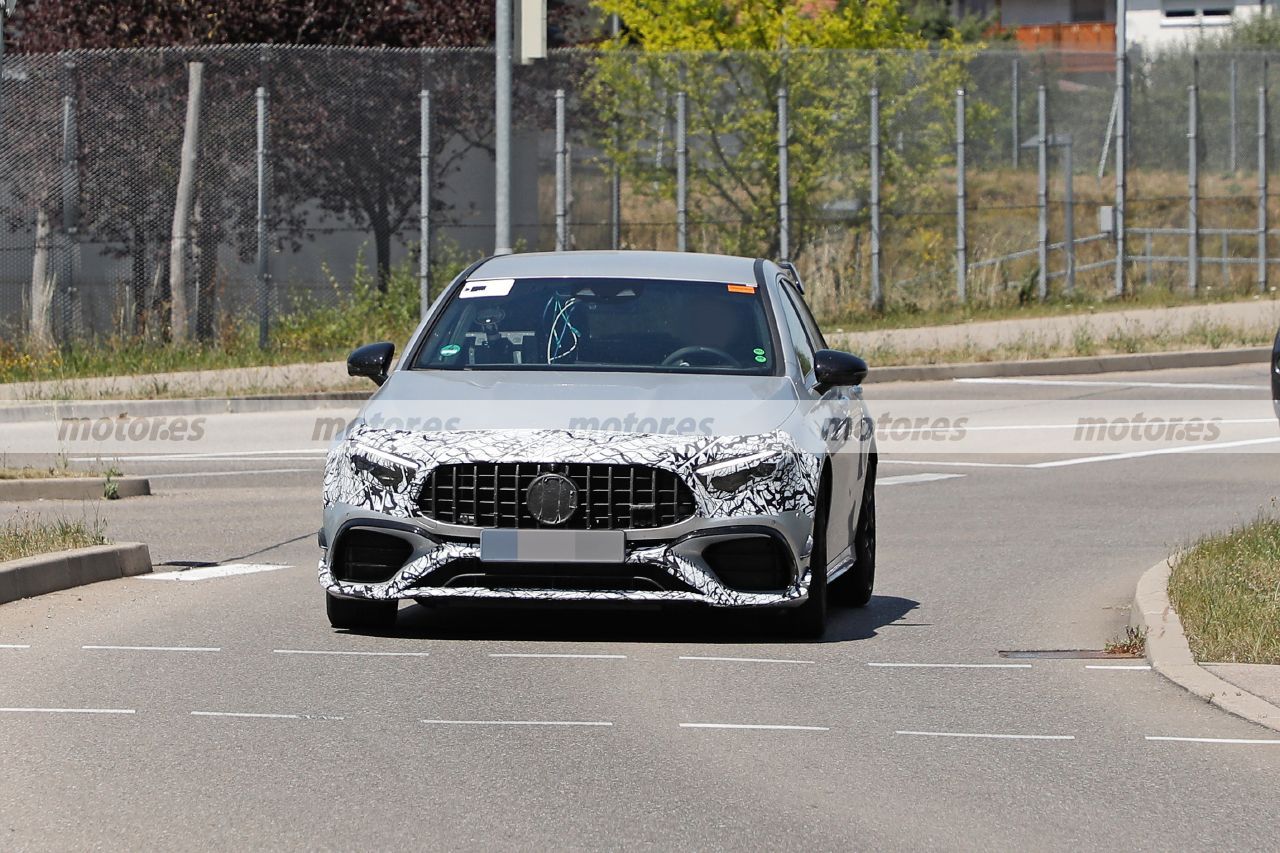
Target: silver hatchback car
[[606, 427]]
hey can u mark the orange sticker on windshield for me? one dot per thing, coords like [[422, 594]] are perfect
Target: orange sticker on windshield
[[741, 288]]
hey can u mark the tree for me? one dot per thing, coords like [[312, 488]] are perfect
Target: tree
[[731, 57]]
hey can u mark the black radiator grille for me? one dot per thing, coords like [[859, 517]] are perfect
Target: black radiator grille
[[610, 497]]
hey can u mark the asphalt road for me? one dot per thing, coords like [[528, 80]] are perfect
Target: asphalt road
[[225, 713]]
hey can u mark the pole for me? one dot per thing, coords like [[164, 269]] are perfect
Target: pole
[[877, 289], [1069, 213], [615, 176], [502, 130], [1193, 194], [70, 214], [264, 260], [682, 174], [181, 232], [1042, 192], [962, 257], [424, 204], [3, 21], [1013, 114], [1262, 188], [1122, 111], [562, 189], [1231, 108], [784, 202]]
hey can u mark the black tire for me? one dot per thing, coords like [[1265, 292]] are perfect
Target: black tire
[[355, 614], [809, 620], [854, 588]]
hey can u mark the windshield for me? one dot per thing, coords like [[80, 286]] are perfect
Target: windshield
[[601, 324]]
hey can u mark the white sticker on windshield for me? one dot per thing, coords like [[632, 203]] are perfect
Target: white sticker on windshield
[[490, 287]]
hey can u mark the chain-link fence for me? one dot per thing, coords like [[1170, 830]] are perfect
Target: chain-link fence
[[993, 181]]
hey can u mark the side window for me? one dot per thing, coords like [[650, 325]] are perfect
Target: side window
[[816, 340], [799, 339]]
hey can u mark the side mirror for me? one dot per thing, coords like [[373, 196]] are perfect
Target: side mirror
[[833, 367], [373, 361]]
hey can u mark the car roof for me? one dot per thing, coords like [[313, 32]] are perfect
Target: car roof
[[686, 266]]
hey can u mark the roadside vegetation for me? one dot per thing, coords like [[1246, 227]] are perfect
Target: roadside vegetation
[[1226, 589], [27, 535], [59, 469]]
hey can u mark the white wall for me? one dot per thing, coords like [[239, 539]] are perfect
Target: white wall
[[1151, 28]]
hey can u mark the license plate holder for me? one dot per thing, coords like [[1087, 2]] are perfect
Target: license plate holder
[[552, 546]]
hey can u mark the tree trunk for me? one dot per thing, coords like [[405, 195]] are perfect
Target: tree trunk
[[43, 281], [205, 260], [181, 232]]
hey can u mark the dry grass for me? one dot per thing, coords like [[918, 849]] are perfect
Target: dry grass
[[28, 535], [1226, 589]]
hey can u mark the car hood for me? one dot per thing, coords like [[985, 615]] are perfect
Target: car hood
[[673, 404]]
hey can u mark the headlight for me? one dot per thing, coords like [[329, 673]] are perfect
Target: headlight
[[389, 469], [732, 474]]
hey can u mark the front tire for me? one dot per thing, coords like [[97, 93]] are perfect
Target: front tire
[[809, 620], [854, 588], [355, 614]]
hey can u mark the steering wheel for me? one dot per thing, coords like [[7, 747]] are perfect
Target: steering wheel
[[679, 355]]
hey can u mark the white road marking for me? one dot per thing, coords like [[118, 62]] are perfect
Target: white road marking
[[13, 646], [955, 665], [203, 474], [252, 716], [151, 648], [304, 453], [744, 660], [68, 710], [214, 572], [1086, 460], [995, 736], [550, 655], [1110, 383], [515, 723], [1073, 426], [1241, 740], [755, 726], [363, 654], [1117, 666], [905, 479], [1162, 451]]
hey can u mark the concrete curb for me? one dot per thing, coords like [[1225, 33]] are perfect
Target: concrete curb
[[1070, 366], [71, 488], [1169, 654], [66, 569]]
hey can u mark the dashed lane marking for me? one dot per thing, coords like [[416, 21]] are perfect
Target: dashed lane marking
[[1232, 740], [743, 660], [1110, 383], [953, 665], [589, 723], [996, 736], [1130, 666], [151, 648], [555, 655], [360, 654], [14, 646], [256, 716], [755, 726], [68, 710]]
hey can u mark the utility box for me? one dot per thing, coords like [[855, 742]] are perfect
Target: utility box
[[1107, 219]]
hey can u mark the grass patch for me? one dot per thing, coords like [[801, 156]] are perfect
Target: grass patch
[[1226, 589], [1133, 643], [29, 535], [60, 469]]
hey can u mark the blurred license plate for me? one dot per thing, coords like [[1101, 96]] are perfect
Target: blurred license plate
[[552, 546]]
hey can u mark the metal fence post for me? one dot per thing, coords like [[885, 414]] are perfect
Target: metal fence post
[[424, 204], [962, 257], [70, 214], [562, 178], [1042, 192], [1232, 121], [1193, 193], [1262, 188], [877, 289], [1013, 115], [264, 260], [615, 199], [1122, 112], [502, 129], [1069, 212], [682, 174], [784, 202]]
